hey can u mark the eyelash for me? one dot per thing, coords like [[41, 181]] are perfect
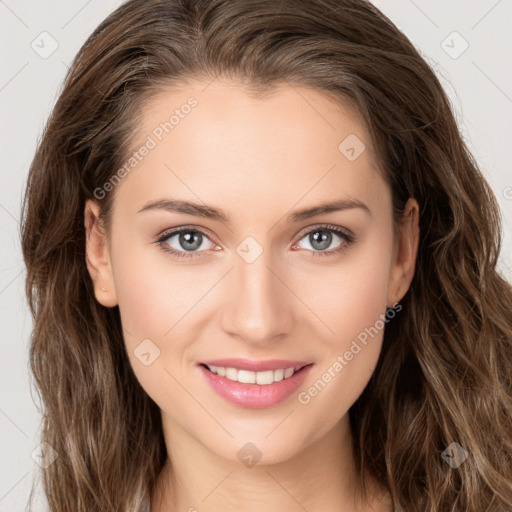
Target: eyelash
[[347, 239]]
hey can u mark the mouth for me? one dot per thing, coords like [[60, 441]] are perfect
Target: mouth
[[262, 378], [253, 384]]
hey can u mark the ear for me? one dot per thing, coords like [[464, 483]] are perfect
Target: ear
[[405, 252], [97, 256]]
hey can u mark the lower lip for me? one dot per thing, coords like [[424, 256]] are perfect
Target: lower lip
[[255, 396]]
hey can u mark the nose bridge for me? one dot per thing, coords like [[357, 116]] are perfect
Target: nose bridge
[[258, 310]]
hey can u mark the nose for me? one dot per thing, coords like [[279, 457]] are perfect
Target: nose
[[260, 305]]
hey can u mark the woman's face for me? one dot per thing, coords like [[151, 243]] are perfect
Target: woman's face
[[262, 275]]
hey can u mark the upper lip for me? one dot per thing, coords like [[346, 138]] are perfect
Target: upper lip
[[256, 366]]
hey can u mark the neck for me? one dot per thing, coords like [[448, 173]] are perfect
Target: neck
[[321, 477]]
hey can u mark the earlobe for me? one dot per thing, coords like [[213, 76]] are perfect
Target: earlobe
[[406, 249], [97, 256]]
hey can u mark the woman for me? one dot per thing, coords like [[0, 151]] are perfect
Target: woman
[[262, 269]]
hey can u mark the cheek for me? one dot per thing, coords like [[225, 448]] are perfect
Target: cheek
[[152, 307], [355, 289], [153, 293], [364, 296], [141, 295], [159, 302], [354, 309]]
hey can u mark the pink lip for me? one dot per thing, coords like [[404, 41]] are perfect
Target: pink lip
[[256, 366], [255, 396]]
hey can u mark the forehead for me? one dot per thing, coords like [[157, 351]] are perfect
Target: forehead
[[218, 144], [225, 107]]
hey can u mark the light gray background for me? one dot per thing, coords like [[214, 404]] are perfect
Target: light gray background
[[478, 81]]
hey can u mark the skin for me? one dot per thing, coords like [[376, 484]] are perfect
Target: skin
[[258, 160]]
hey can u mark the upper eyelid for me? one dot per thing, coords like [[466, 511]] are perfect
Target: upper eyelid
[[327, 227], [167, 233]]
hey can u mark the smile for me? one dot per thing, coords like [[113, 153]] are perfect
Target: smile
[[248, 377], [253, 384]]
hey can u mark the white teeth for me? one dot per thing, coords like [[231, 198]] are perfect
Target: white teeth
[[288, 372], [265, 378], [231, 374], [278, 375], [247, 377]]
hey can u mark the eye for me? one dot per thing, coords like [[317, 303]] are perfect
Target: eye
[[322, 237], [184, 242]]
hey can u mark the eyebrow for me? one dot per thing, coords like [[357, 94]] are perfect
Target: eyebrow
[[217, 214]]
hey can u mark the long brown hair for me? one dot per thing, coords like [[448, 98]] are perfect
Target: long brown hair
[[445, 371]]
